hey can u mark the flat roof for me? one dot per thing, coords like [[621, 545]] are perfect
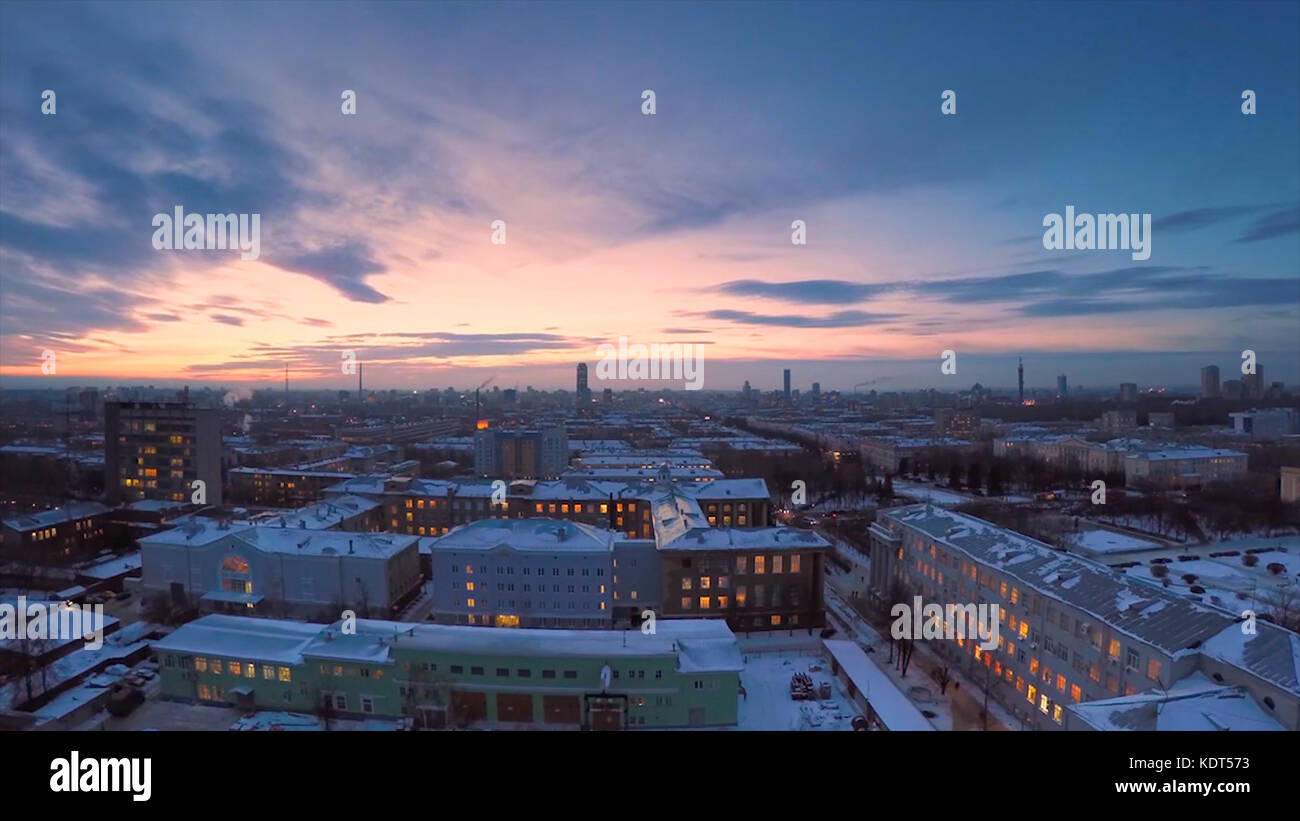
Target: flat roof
[[886, 700]]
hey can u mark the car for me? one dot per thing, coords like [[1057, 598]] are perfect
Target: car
[[123, 596]]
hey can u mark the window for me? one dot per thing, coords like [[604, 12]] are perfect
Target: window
[[570, 673], [1030, 693], [1153, 669], [704, 582], [284, 674], [704, 602], [548, 674], [686, 584], [760, 565], [777, 562], [268, 672], [476, 671], [1056, 713], [1131, 658], [367, 704], [776, 621], [201, 664], [1112, 649], [235, 669], [741, 562], [503, 672], [686, 602], [457, 669], [794, 563], [524, 672], [216, 666], [1060, 683]]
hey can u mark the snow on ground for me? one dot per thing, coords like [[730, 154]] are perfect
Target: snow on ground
[[1107, 541], [939, 497], [767, 705]]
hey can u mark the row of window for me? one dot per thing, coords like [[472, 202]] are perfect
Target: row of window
[[217, 667]]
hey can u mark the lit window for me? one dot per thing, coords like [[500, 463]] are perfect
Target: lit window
[[201, 664], [686, 584], [776, 620], [777, 563], [284, 674], [268, 672], [686, 602], [760, 566], [704, 602], [1075, 692], [794, 562], [704, 582], [469, 602]]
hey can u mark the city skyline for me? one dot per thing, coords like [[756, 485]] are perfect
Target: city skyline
[[923, 232]]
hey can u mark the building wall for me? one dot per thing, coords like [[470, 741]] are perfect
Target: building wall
[[513, 588], [155, 450], [292, 585], [696, 583], [649, 689]]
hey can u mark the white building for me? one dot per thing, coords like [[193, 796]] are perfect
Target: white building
[[524, 573], [282, 571]]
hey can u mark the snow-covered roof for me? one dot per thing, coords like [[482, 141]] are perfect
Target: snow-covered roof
[[1194, 703], [889, 703], [544, 535], [1124, 603], [700, 645], [49, 518]]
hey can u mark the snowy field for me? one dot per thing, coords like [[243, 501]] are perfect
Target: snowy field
[[939, 497], [767, 705], [1106, 541]]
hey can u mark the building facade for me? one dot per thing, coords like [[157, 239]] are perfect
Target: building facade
[[685, 674], [157, 450], [1070, 631]]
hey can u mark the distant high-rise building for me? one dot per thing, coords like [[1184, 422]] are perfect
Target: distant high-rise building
[[608, 396], [1020, 374], [1128, 392], [745, 391], [1210, 382], [156, 450], [787, 383], [1234, 389], [1254, 383], [1062, 391], [817, 390], [584, 393], [521, 454], [90, 406]]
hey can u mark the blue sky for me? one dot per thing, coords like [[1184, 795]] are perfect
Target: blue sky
[[924, 230]]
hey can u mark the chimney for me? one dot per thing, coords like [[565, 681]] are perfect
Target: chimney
[[350, 547]]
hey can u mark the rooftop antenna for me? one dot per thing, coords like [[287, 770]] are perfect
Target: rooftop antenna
[[359, 393]]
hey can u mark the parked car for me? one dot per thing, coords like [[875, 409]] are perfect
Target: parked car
[[123, 596]]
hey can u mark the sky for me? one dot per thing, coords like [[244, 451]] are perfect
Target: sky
[[924, 231]]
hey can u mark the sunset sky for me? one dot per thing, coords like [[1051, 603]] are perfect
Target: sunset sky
[[924, 231]]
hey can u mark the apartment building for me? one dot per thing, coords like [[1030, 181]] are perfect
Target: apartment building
[[157, 450], [685, 674], [524, 454], [281, 487], [75, 530], [1072, 632], [1184, 467], [758, 578]]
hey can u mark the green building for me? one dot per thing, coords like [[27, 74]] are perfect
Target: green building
[[685, 674]]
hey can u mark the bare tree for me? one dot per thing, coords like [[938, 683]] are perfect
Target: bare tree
[[942, 677]]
